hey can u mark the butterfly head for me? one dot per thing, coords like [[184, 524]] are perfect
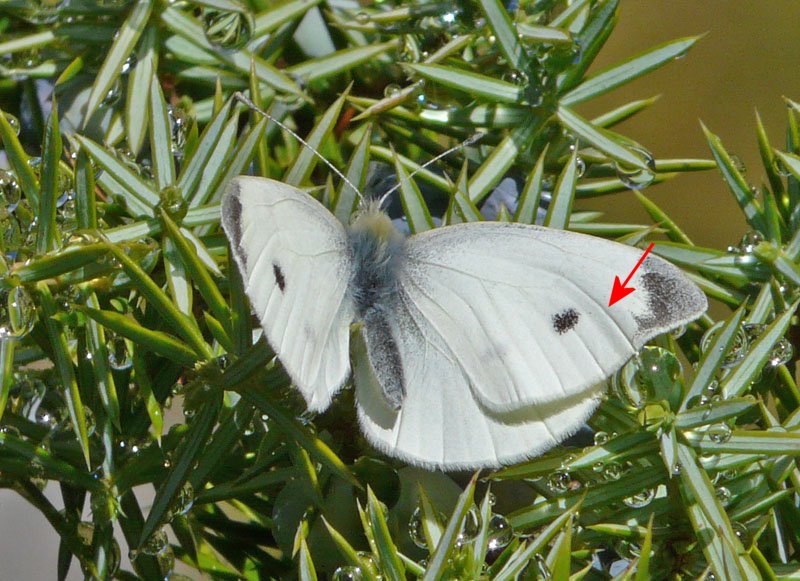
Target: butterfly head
[[371, 221]]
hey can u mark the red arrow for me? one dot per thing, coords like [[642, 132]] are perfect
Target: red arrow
[[619, 291]]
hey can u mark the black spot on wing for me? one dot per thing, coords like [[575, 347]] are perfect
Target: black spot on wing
[[279, 278], [565, 320]]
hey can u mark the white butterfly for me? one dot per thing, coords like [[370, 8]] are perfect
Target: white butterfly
[[475, 345]]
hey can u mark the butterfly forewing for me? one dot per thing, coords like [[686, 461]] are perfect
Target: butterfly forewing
[[524, 309], [293, 256]]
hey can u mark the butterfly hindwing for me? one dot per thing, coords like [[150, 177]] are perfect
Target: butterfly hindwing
[[440, 424], [294, 258]]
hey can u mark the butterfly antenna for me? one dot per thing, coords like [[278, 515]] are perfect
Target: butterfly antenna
[[468, 141], [246, 101]]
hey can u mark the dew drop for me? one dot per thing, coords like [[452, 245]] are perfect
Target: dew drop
[[166, 561], [719, 433], [738, 349], [14, 122], [173, 203], [185, 500], [580, 165], [119, 357], [391, 90], [500, 532], [724, 495], [415, 529], [780, 167], [113, 94], [179, 127], [542, 569], [742, 534], [753, 331], [66, 214], [470, 527], [600, 438], [641, 499], [157, 545], [9, 188], [646, 377], [227, 30], [749, 242], [347, 573], [612, 471], [17, 313], [738, 164], [450, 18], [678, 332], [519, 78], [46, 417], [363, 18], [559, 481], [637, 178], [625, 385], [781, 353], [409, 53], [368, 562], [128, 65]]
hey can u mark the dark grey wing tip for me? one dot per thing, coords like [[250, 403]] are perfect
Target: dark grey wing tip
[[673, 299]]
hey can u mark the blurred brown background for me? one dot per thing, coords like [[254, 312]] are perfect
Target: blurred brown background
[[748, 60]]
